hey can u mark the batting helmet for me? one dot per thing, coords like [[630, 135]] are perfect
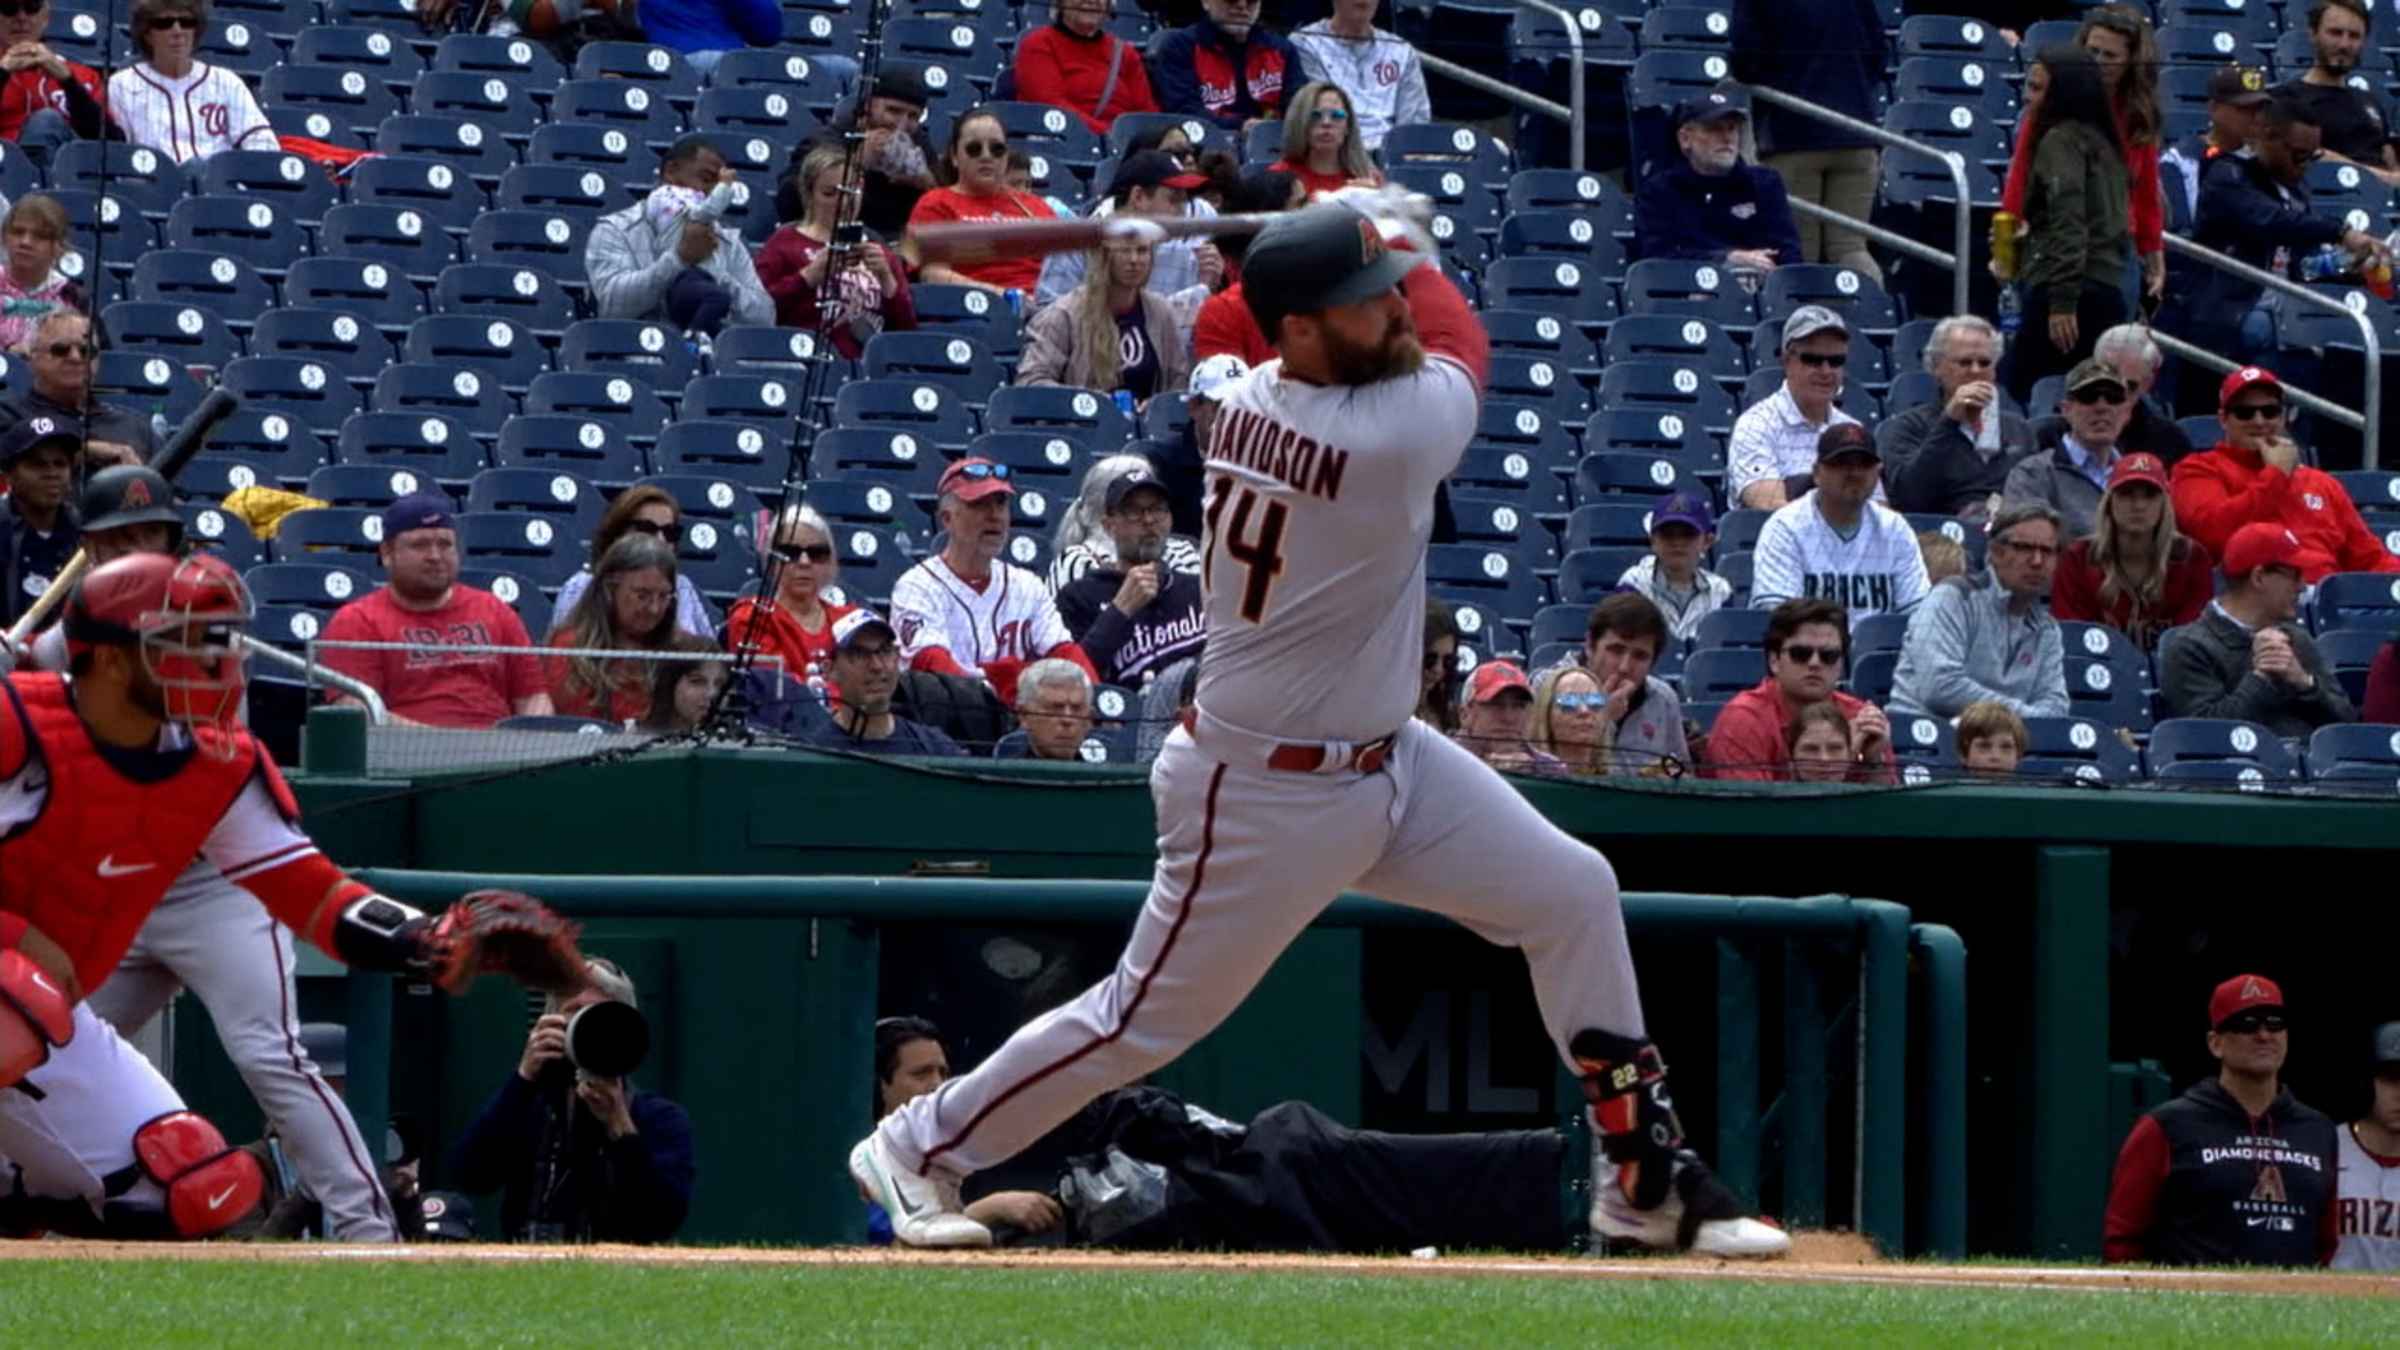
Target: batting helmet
[[128, 494], [184, 614]]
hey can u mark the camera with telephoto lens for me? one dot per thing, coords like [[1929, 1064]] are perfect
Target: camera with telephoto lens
[[608, 1039]]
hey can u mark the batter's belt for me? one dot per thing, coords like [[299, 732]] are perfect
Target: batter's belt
[[1236, 746]]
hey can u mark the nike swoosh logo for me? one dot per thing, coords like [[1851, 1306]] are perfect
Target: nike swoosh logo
[[110, 867], [43, 984], [222, 1196]]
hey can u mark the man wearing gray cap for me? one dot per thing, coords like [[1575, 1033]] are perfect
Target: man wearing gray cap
[[2367, 1212], [1773, 451]]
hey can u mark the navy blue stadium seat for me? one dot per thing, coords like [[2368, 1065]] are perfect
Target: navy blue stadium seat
[[443, 192], [1857, 296], [635, 411], [1058, 454], [2360, 600], [135, 175], [146, 381], [496, 347], [518, 592], [1482, 575], [529, 297], [257, 232], [657, 69], [969, 311], [1586, 574], [870, 560], [565, 497], [185, 334], [649, 354], [769, 401], [344, 343], [1974, 81], [757, 349], [1680, 286], [621, 158], [1943, 35], [584, 446], [463, 145], [496, 103], [371, 486], [527, 64], [226, 287], [1871, 675], [1045, 407], [815, 86], [310, 391], [2350, 653], [1544, 189], [2076, 748], [250, 436], [1527, 430], [222, 533], [1511, 473], [314, 551], [356, 99], [635, 109], [1689, 391], [2180, 740], [379, 293], [865, 501], [464, 395], [1714, 674], [1537, 381], [211, 478], [1568, 289], [1653, 431], [428, 444], [398, 236], [1875, 633], [536, 547], [1608, 523], [1746, 628], [353, 40], [958, 362], [576, 191], [741, 451], [1682, 339], [551, 242]]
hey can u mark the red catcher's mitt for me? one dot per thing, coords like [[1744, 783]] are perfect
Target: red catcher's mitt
[[504, 933]]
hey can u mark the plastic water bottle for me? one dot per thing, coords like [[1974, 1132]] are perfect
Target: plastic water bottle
[[1124, 398], [2012, 311], [2324, 265]]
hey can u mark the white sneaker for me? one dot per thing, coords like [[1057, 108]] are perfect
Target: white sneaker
[[1614, 1218], [924, 1211]]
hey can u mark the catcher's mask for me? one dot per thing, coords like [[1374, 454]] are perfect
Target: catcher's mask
[[185, 616]]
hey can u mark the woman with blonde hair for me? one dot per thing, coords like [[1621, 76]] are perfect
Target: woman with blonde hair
[[1111, 332], [630, 606], [652, 511], [1567, 721], [1321, 144], [31, 286], [796, 623], [1083, 543], [870, 288], [2135, 573]]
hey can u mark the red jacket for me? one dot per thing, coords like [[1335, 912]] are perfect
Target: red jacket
[[1224, 324], [2218, 491], [2075, 593], [1746, 744], [1065, 71], [30, 90]]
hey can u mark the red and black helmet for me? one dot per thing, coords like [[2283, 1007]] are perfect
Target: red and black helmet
[[184, 614]]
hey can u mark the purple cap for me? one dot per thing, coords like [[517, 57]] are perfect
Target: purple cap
[[1685, 508]]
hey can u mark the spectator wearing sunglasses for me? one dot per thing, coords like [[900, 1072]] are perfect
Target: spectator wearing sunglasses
[[1949, 455], [1323, 148], [1227, 68], [1374, 66], [2254, 475], [1566, 720], [45, 99], [1991, 639], [796, 625], [2083, 447], [1837, 544], [60, 358], [965, 611], [651, 511], [1808, 644], [1774, 442], [2235, 1172], [974, 186], [867, 662], [32, 288], [1074, 63], [183, 108], [1707, 205]]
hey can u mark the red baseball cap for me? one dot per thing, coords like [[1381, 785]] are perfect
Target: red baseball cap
[[2243, 379], [2260, 544], [1494, 678], [2143, 468], [974, 478], [2240, 994]]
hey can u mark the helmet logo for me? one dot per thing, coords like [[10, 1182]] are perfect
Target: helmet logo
[[137, 493]]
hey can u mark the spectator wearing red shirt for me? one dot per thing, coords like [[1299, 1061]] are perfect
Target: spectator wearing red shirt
[[2382, 703], [423, 604], [1225, 324], [630, 605], [45, 99], [974, 186], [1807, 642], [797, 624], [1072, 63], [1322, 147], [2134, 572], [2254, 476]]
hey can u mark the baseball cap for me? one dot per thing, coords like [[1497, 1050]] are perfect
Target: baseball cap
[[1214, 375], [1128, 480], [41, 430], [1315, 258], [1684, 508], [2260, 544], [2089, 373], [1494, 678], [2387, 1044], [1846, 438], [1153, 169], [857, 621], [2143, 468], [2243, 86], [1810, 320], [2245, 378], [416, 511], [328, 1044], [449, 1217], [902, 80], [974, 478], [2240, 994], [1726, 100]]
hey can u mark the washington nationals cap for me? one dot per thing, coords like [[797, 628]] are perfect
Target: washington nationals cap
[[1845, 440], [449, 1217], [847, 628], [2240, 994], [1724, 101], [974, 478], [1685, 508], [1129, 480], [2386, 1049], [1212, 376], [2241, 86], [2248, 377], [1810, 320], [1153, 169], [2260, 544], [2139, 469], [41, 430], [416, 511], [1494, 678], [1315, 258]]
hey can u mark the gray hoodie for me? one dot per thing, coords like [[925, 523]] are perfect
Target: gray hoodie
[[1964, 646]]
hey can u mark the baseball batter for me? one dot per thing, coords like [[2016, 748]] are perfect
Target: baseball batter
[[112, 780], [214, 938], [2367, 1179], [1301, 772]]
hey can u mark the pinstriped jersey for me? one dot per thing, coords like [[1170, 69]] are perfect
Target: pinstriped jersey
[[1875, 567]]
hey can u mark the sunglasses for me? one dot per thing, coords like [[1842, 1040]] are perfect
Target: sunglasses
[[60, 351], [1328, 115], [1807, 655], [2253, 412], [2243, 1024], [1823, 360], [2100, 396], [10, 11], [673, 534], [815, 553], [175, 21], [985, 149], [979, 472], [1583, 701], [1435, 661]]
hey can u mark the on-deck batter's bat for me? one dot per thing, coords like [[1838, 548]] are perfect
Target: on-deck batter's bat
[[181, 445], [976, 241]]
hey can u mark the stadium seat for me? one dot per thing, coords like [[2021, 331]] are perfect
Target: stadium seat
[[253, 437], [253, 231], [1681, 339], [397, 236], [1558, 286], [1567, 234], [1874, 633], [594, 145], [970, 311], [1858, 297], [1677, 286], [536, 547], [550, 242], [350, 41], [567, 498], [1526, 430], [315, 548], [463, 145], [499, 349], [355, 99], [1976, 82], [516, 591], [658, 70], [865, 501], [586, 447], [959, 363], [2359, 600], [1922, 744], [2076, 748], [164, 387], [772, 402], [1510, 473], [2365, 745], [1540, 382], [892, 453], [1742, 628], [426, 444], [870, 561], [226, 287], [222, 533], [527, 64], [531, 298], [441, 191], [634, 411], [1482, 575], [378, 293], [1689, 391], [1058, 455], [463, 395], [1716, 674], [1587, 574], [2350, 653], [1044, 407], [309, 391], [135, 175], [815, 87], [649, 354], [1608, 523], [210, 478], [755, 349], [576, 191], [1652, 431], [1871, 676], [632, 108], [499, 104], [370, 486], [183, 334], [2101, 691], [740, 451], [2179, 740], [1942, 35]]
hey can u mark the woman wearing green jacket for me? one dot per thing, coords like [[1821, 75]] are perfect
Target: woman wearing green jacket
[[2077, 241]]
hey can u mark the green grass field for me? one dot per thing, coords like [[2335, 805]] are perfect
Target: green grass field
[[339, 1304]]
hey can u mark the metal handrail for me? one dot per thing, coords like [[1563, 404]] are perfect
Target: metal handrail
[[1572, 114], [1961, 246], [377, 713], [2369, 419]]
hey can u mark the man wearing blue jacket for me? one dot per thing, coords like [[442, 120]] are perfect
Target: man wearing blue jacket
[[1712, 207], [2254, 205], [1227, 68]]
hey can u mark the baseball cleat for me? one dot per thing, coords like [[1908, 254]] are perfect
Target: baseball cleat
[[924, 1211], [1698, 1215]]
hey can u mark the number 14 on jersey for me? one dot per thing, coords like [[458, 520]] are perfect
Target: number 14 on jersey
[[1250, 532]]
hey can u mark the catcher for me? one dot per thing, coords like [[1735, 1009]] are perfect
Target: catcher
[[113, 779]]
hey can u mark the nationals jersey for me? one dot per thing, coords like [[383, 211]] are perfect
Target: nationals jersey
[[1010, 618], [2367, 1210], [1319, 506], [1875, 567], [206, 111]]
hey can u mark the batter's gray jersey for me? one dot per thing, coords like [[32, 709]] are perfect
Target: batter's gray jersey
[[1319, 505]]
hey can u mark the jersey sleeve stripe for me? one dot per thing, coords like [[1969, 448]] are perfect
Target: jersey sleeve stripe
[[268, 862]]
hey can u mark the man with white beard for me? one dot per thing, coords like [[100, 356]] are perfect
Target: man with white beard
[[1711, 207]]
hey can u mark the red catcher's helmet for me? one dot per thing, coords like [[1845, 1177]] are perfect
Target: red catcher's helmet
[[184, 614]]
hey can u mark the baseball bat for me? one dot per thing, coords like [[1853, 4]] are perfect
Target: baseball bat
[[181, 445], [976, 241]]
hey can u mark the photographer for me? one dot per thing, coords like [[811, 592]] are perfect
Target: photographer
[[581, 1157]]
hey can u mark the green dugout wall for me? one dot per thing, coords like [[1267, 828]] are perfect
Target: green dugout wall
[[2097, 920]]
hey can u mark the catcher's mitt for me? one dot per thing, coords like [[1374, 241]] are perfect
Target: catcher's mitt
[[506, 933]]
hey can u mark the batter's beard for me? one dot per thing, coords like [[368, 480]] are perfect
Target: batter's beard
[[1400, 355]]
